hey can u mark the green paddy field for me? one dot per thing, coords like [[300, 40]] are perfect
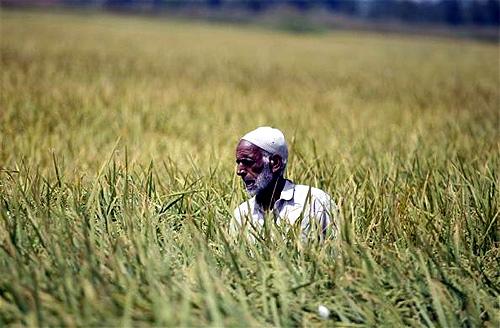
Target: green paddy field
[[117, 174]]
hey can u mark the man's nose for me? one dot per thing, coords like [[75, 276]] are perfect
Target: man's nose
[[240, 170]]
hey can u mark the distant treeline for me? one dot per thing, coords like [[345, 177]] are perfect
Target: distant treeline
[[452, 12]]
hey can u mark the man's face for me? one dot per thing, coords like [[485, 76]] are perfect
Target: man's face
[[252, 167]]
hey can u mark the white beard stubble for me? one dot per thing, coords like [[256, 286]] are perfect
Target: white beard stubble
[[262, 181]]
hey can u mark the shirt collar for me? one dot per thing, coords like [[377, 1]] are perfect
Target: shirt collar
[[288, 191], [286, 195]]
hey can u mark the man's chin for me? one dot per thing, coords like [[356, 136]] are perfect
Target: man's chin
[[252, 191], [259, 185], [255, 191]]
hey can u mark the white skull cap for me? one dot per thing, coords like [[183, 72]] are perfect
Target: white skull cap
[[270, 139]]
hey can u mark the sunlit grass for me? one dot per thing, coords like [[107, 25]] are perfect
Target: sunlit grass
[[117, 174]]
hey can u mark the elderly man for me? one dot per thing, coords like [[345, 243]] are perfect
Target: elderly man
[[261, 158]]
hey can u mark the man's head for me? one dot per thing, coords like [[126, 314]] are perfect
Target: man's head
[[261, 156]]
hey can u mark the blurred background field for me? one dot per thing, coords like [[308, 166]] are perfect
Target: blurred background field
[[117, 175]]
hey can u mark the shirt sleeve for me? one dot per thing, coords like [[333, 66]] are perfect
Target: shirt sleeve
[[326, 212]]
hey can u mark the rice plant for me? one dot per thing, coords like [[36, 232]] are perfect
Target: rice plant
[[117, 179]]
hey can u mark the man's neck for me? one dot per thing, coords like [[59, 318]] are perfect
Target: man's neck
[[271, 194]]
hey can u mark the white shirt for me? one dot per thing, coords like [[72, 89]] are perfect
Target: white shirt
[[294, 201]]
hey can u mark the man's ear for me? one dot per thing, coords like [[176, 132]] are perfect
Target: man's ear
[[276, 163]]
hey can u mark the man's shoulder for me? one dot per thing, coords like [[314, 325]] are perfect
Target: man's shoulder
[[303, 191]]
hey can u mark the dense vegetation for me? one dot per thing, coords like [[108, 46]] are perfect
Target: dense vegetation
[[117, 175]]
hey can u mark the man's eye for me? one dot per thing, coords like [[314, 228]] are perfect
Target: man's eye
[[245, 162]]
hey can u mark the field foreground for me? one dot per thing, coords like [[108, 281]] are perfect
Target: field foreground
[[117, 175]]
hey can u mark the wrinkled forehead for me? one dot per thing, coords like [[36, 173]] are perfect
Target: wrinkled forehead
[[247, 149]]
